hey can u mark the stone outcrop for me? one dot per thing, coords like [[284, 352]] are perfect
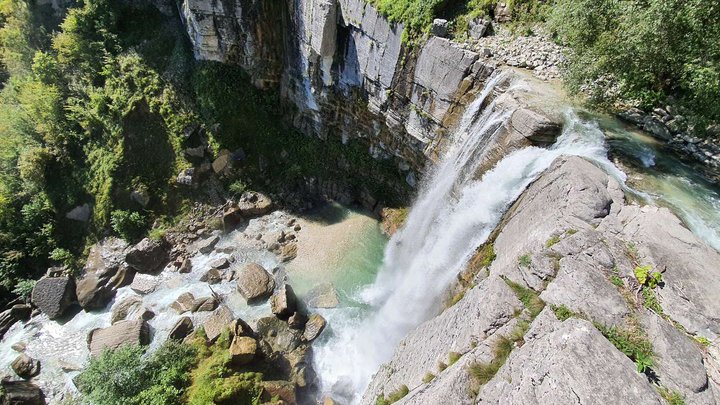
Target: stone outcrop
[[25, 366], [283, 302], [135, 332], [148, 256], [18, 312], [574, 240], [54, 295], [21, 392], [182, 329], [104, 272], [220, 320]]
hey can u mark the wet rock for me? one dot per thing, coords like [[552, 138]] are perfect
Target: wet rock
[[21, 393], [185, 267], [80, 213], [183, 303], [18, 312], [288, 252], [297, 320], [656, 128], [279, 335], [232, 218], [242, 350], [205, 304], [122, 333], [104, 272], [220, 263], [207, 245], [283, 302], [144, 284], [284, 390], [254, 204], [238, 327], [25, 366], [182, 329], [19, 347], [212, 276], [54, 295], [218, 321], [254, 282], [148, 256], [535, 126], [322, 296], [121, 310], [314, 327]]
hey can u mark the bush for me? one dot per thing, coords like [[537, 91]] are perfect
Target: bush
[[24, 288], [124, 376], [632, 342], [131, 226]]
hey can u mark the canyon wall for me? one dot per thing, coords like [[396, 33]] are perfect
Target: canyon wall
[[345, 70]]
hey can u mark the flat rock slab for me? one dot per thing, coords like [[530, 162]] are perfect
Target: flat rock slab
[[122, 333], [218, 321], [254, 282], [322, 296], [148, 256], [144, 284]]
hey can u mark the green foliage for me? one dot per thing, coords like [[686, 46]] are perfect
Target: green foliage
[[672, 397], [125, 376], [24, 288], [702, 340], [562, 312], [646, 277], [238, 187], [428, 377], [129, 225], [524, 260], [653, 49], [616, 280], [394, 396], [530, 299], [481, 373], [632, 342], [650, 300], [552, 241]]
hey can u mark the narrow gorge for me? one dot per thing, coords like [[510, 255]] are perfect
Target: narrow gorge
[[318, 202]]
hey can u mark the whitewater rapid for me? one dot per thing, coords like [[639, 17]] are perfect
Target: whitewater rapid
[[454, 213]]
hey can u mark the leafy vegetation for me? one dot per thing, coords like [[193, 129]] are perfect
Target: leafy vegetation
[[525, 260], [125, 376], [672, 397], [129, 225], [24, 288], [632, 342], [702, 340], [530, 299], [655, 51], [646, 277], [562, 312], [394, 396], [552, 241]]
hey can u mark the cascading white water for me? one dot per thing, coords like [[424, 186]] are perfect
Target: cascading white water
[[454, 214]]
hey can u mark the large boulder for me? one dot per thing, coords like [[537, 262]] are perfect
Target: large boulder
[[183, 303], [254, 204], [105, 271], [182, 329], [25, 366], [135, 332], [283, 303], [322, 296], [54, 295], [144, 284], [314, 327], [242, 350], [254, 282], [148, 256], [232, 217], [535, 126], [220, 320], [126, 309], [21, 393], [207, 245]]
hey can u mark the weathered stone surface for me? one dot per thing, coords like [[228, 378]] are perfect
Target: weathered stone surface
[[144, 284], [535, 126], [148, 256], [482, 312], [278, 334], [18, 312], [25, 366], [440, 27], [54, 295], [284, 390], [185, 267], [297, 320], [218, 321], [220, 263], [254, 282], [182, 329], [283, 302], [183, 303], [565, 367], [204, 304], [103, 273], [314, 327], [122, 333], [207, 245], [242, 350], [232, 217], [21, 393], [123, 309], [678, 361], [322, 296], [212, 276], [80, 213], [578, 286]]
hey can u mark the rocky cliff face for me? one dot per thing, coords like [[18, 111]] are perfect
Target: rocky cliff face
[[574, 241], [345, 70]]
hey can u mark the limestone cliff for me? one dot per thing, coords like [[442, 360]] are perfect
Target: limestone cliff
[[345, 70]]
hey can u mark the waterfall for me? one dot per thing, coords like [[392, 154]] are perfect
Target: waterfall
[[454, 213]]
